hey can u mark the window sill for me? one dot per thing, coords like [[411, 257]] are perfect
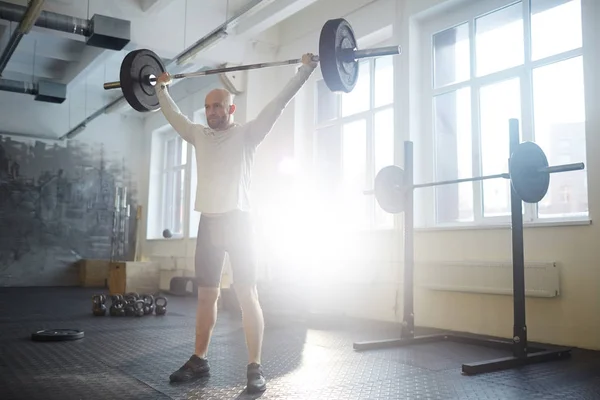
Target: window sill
[[507, 225]]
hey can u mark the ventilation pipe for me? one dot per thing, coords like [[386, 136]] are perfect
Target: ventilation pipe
[[49, 92], [100, 31], [27, 20], [46, 19]]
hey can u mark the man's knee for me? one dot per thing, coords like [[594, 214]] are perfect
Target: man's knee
[[208, 296], [247, 295]]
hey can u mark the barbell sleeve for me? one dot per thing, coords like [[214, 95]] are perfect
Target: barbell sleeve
[[377, 52], [563, 168], [112, 85]]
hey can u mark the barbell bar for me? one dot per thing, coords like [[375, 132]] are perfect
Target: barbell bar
[[353, 55], [529, 176], [338, 59]]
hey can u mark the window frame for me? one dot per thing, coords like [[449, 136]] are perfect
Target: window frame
[[466, 14], [369, 116]]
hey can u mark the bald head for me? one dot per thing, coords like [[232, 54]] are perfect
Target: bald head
[[219, 109]]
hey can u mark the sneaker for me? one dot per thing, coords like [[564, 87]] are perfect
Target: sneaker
[[256, 379], [194, 368]]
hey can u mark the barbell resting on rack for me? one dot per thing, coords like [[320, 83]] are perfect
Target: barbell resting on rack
[[529, 176], [338, 58]]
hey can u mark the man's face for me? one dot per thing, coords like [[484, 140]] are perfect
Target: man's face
[[218, 109]]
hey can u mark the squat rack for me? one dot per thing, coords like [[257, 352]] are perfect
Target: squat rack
[[522, 353]]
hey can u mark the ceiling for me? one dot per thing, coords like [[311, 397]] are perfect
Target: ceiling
[[167, 27]]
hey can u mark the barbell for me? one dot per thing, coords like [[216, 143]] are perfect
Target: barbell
[[529, 174], [338, 58]]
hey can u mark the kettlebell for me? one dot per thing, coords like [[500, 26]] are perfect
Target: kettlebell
[[117, 308], [129, 307], [98, 306], [160, 309], [132, 294], [148, 303], [139, 308]]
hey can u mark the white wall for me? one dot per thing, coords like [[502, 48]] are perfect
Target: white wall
[[368, 269]]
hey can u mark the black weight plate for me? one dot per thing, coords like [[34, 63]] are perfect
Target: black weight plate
[[529, 182], [389, 189], [337, 38], [57, 335], [135, 69]]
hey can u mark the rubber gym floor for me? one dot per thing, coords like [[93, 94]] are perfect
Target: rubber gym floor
[[303, 358]]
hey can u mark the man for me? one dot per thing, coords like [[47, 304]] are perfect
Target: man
[[225, 156]]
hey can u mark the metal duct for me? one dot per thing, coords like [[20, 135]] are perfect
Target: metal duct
[[248, 7], [47, 19], [8, 85], [49, 92], [31, 14]]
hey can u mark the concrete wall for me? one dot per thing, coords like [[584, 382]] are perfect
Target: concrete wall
[[57, 197]]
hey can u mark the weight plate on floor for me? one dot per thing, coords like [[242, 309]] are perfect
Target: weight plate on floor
[[389, 189], [529, 182], [137, 89], [337, 40], [57, 335]]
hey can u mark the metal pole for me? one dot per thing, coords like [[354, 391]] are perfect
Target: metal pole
[[518, 254], [408, 321], [477, 178]]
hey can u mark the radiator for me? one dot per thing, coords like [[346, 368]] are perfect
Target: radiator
[[541, 278]]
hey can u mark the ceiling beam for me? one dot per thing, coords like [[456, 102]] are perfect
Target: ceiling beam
[[270, 16]]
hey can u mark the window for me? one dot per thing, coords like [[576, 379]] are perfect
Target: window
[[199, 118], [490, 62], [168, 165], [355, 139]]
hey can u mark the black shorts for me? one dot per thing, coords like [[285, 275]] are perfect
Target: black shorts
[[230, 233]]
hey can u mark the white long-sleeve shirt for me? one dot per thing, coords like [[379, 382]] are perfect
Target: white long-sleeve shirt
[[225, 158]]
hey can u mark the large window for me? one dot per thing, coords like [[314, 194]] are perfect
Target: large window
[[355, 139], [489, 63], [168, 173]]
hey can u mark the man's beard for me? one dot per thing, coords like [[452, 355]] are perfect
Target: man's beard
[[218, 122]]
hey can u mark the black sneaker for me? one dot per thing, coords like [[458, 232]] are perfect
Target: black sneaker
[[256, 379], [194, 368]]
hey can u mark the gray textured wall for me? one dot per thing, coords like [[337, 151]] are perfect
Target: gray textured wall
[[56, 207]]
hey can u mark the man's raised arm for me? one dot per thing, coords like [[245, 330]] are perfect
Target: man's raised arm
[[259, 127], [182, 124]]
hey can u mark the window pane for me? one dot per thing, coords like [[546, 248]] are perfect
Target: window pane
[[327, 103], [182, 151], [354, 165], [328, 159], [453, 155], [499, 40], [555, 27], [194, 215], [168, 201], [170, 153], [451, 56], [498, 103], [384, 155], [384, 81], [559, 119], [359, 99], [178, 196]]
